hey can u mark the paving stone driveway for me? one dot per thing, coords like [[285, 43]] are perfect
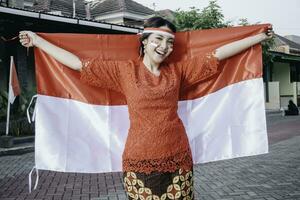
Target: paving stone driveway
[[271, 176]]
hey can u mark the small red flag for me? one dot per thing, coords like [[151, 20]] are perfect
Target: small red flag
[[14, 86]]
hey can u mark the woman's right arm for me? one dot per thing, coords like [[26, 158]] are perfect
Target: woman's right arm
[[96, 72], [30, 39]]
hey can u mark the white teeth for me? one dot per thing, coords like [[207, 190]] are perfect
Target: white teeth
[[160, 53]]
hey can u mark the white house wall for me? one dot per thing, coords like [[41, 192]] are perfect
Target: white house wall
[[274, 97], [281, 73], [287, 90]]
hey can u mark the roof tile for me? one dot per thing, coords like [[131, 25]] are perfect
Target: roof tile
[[288, 42], [109, 6], [65, 6]]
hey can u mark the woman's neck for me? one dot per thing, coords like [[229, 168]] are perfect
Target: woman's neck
[[151, 66]]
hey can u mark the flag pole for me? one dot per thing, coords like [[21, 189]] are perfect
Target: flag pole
[[8, 103]]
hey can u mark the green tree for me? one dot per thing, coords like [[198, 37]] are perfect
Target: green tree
[[207, 18], [243, 22]]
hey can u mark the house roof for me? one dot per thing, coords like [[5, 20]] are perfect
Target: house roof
[[167, 14], [280, 56], [65, 6], [284, 41], [69, 20], [41, 5], [294, 38], [111, 6]]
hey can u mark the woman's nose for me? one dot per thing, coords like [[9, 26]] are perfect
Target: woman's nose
[[164, 44]]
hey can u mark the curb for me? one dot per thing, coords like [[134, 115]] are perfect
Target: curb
[[21, 146], [22, 140], [17, 150]]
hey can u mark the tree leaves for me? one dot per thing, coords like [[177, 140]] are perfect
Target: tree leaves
[[207, 18]]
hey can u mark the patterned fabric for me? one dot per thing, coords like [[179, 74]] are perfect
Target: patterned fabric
[[159, 186]]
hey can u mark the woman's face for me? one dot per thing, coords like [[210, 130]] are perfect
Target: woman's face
[[157, 47]]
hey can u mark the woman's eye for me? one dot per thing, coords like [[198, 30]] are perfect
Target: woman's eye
[[170, 42], [158, 38]]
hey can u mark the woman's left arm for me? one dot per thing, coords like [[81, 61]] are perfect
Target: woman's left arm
[[236, 47]]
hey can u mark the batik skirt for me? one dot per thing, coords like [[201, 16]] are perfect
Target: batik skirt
[[159, 185]]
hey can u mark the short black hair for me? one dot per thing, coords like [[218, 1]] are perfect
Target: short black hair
[[154, 22]]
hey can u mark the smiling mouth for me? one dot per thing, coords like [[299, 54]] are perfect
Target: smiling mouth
[[160, 53]]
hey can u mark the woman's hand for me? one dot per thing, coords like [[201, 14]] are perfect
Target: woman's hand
[[28, 38], [236, 47], [269, 32]]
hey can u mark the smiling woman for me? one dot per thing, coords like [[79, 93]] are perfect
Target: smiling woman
[[156, 43], [153, 25], [157, 160]]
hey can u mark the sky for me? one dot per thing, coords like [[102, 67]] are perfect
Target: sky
[[284, 15]]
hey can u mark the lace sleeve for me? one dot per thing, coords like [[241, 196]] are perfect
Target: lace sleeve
[[101, 73], [198, 69]]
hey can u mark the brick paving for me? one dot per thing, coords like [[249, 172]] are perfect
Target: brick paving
[[271, 176]]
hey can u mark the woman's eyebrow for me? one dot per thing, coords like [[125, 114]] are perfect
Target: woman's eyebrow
[[163, 36]]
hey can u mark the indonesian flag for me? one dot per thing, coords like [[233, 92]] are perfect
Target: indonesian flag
[[14, 86], [80, 128]]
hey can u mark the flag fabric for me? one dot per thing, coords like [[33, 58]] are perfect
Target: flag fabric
[[80, 128], [14, 86]]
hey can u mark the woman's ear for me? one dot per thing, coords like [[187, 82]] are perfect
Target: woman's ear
[[145, 41]]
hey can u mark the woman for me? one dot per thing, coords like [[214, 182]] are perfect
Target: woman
[[292, 109], [157, 160]]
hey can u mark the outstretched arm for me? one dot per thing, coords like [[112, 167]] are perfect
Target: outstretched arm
[[29, 39], [236, 47]]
